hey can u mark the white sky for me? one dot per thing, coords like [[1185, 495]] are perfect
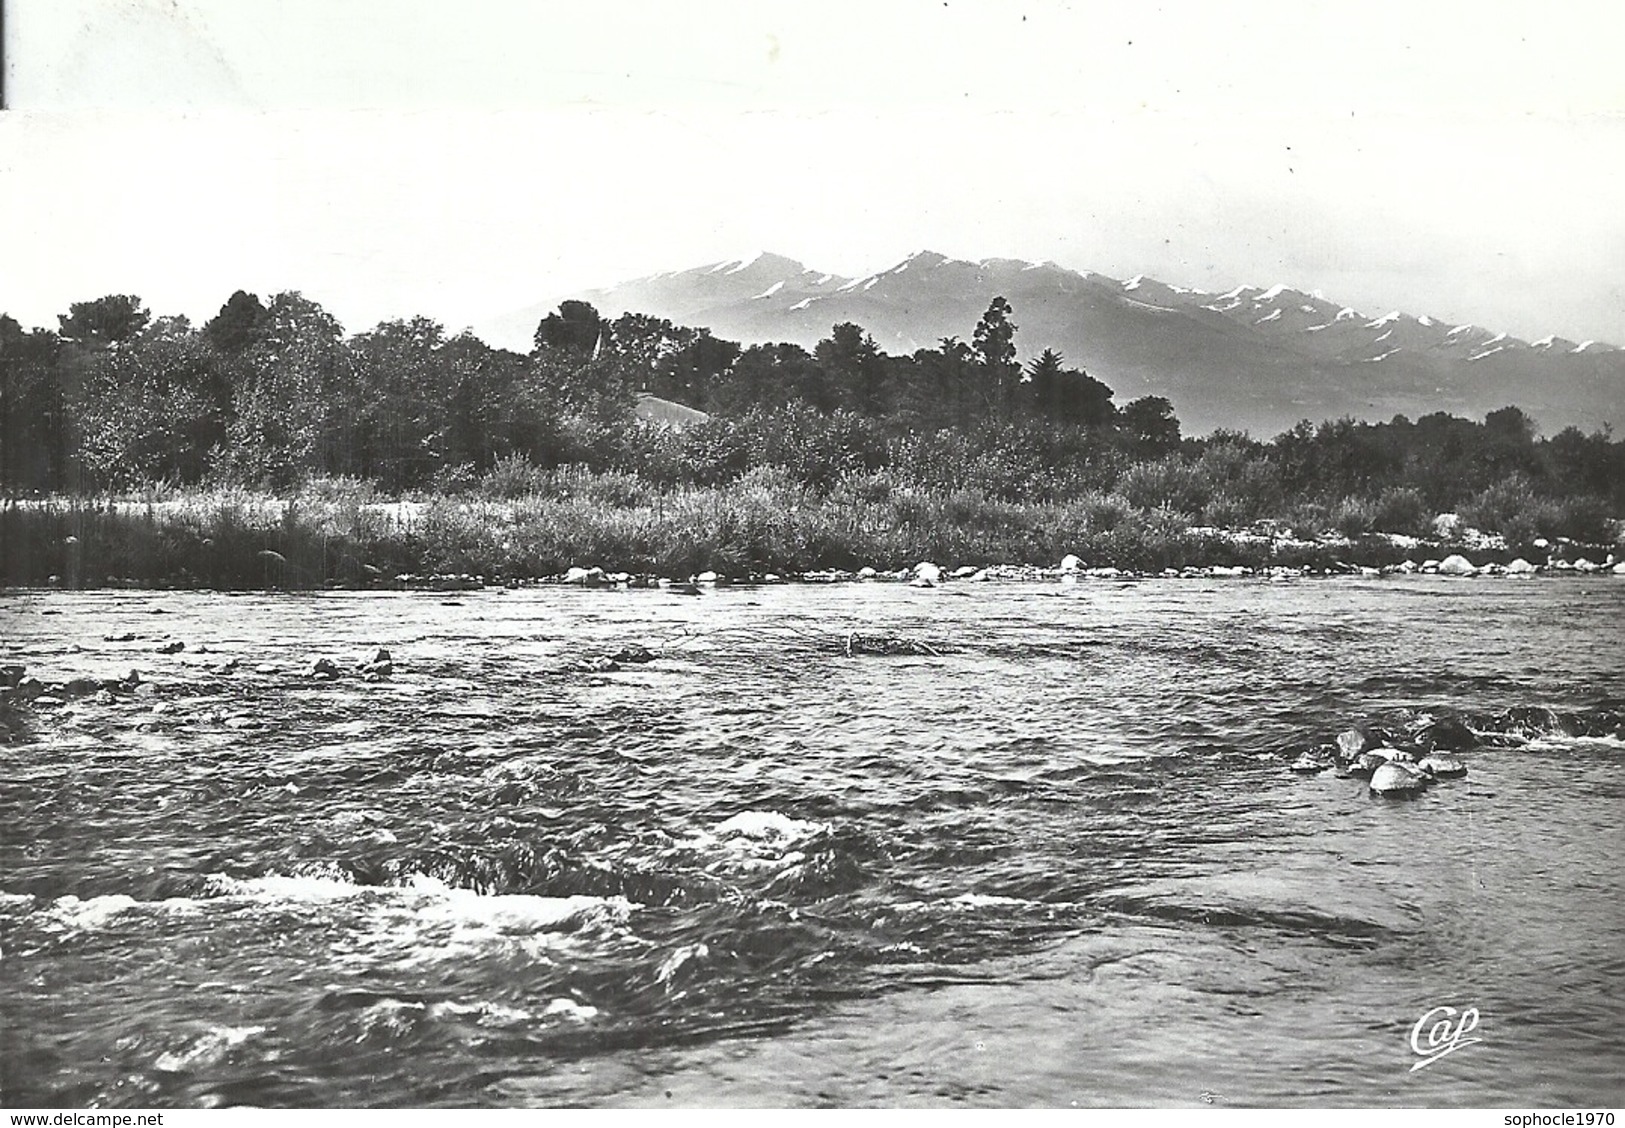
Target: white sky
[[1465, 160]]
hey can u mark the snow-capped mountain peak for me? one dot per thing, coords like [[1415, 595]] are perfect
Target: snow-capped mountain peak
[[740, 264]]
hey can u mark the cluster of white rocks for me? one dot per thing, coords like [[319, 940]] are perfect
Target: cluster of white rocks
[[1072, 570], [1458, 565]]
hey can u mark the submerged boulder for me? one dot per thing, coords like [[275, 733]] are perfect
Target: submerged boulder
[[1396, 779], [379, 666], [1448, 733], [1312, 762], [633, 653]]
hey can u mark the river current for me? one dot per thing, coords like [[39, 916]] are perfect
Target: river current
[[1039, 846]]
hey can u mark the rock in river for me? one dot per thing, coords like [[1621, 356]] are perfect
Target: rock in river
[[1313, 761], [1351, 742], [1397, 780], [1446, 732], [324, 669], [1442, 766]]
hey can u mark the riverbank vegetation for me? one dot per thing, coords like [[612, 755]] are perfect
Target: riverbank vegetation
[[269, 448]]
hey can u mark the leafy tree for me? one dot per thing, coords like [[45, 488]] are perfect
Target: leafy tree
[[1150, 424], [852, 364], [148, 410], [240, 324], [106, 321], [773, 375], [1044, 381], [1511, 425], [948, 379], [1588, 463], [34, 422], [994, 343], [492, 410], [576, 328], [399, 389], [291, 410], [1085, 401], [1068, 395]]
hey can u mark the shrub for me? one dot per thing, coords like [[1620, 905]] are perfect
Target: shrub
[[1402, 510], [511, 476], [1353, 517], [1586, 519], [1510, 502], [1167, 483]]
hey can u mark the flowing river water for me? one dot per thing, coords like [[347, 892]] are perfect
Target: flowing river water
[[1053, 855]]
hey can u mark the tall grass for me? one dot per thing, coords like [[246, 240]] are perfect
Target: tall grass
[[522, 522]]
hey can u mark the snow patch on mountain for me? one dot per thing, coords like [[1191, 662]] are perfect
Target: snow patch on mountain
[[1273, 292], [1392, 315], [741, 264], [1270, 316], [1134, 283], [769, 292], [1582, 346]]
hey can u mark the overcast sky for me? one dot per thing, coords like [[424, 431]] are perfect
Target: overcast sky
[[393, 157]]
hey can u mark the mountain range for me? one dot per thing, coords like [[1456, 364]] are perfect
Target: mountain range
[[1253, 358]]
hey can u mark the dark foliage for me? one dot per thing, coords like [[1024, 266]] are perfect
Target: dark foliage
[[273, 394]]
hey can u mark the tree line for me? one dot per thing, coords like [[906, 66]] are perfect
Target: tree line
[[272, 393]]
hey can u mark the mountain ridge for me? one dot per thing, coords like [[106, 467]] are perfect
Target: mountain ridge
[[1251, 358]]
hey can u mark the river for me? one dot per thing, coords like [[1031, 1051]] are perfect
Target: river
[[1050, 853]]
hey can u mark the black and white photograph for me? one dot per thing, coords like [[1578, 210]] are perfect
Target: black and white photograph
[[1036, 554]]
